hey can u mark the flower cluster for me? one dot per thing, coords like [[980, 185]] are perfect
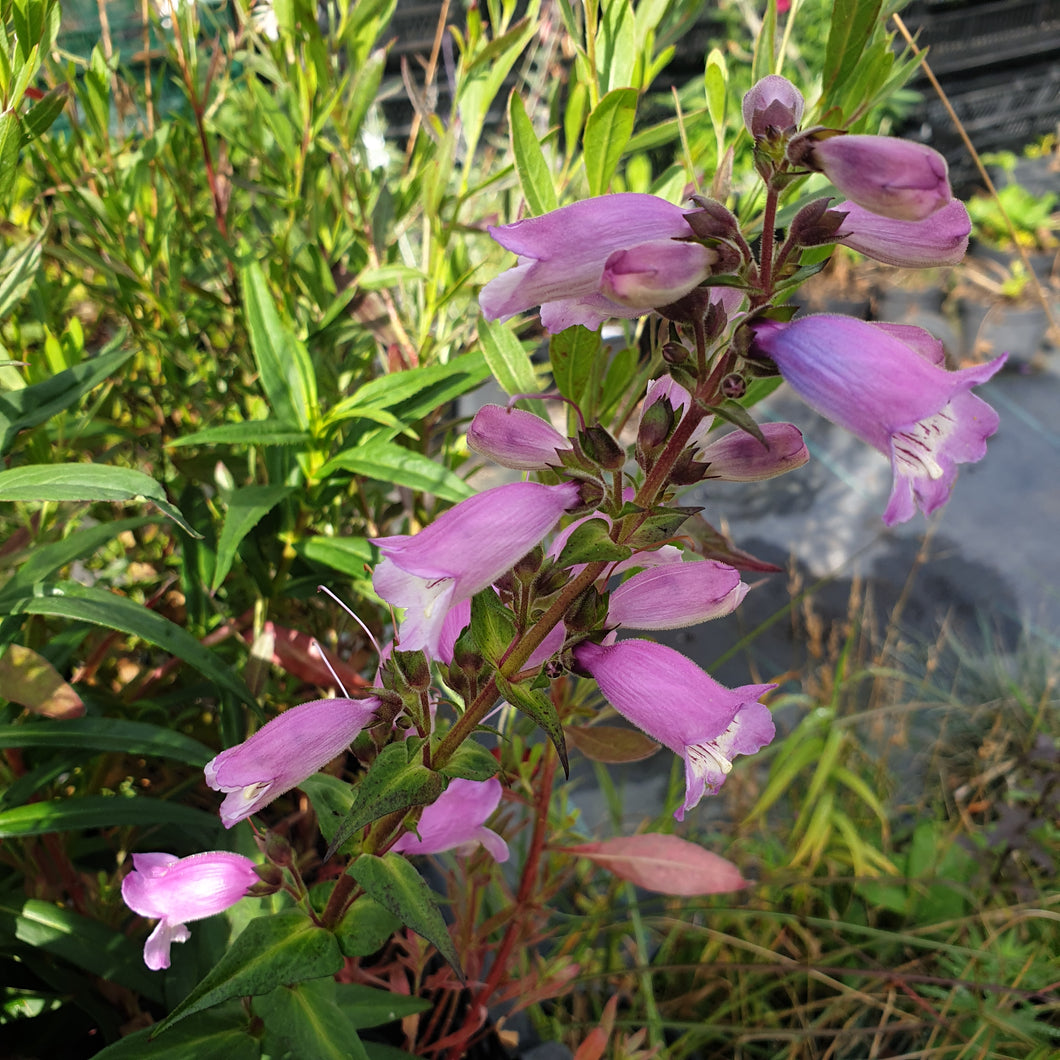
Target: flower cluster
[[532, 580]]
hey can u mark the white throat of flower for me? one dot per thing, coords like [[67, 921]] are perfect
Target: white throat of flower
[[916, 447], [707, 757]]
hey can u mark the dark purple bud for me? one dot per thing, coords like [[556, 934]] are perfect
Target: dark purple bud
[[815, 225]]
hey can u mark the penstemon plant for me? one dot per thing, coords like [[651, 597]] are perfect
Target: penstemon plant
[[510, 611], [507, 596]]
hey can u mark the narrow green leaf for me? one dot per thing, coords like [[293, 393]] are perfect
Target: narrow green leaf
[[87, 482], [346, 554], [853, 23], [616, 45], [86, 944], [715, 87], [369, 1007], [397, 886], [507, 358], [33, 405], [607, 132], [766, 44], [388, 462], [534, 175], [223, 1034], [306, 1017], [42, 115], [251, 432], [10, 143], [572, 354], [108, 734], [286, 370], [18, 269], [392, 783], [270, 952], [247, 506], [85, 603], [102, 811], [591, 542], [540, 709]]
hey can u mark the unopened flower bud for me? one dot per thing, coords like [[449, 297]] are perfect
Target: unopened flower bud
[[712, 220], [890, 177], [270, 881], [514, 438], [733, 386], [940, 239], [601, 448], [816, 225], [675, 353], [772, 107], [278, 850], [741, 457], [414, 668], [656, 273]]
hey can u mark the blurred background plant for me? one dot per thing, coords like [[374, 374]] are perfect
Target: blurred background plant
[[238, 316]]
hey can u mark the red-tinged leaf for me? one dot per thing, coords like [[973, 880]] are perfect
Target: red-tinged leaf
[[295, 653], [663, 863], [31, 681], [610, 743], [596, 1042]]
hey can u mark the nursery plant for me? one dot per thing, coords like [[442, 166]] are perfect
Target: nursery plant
[[298, 652]]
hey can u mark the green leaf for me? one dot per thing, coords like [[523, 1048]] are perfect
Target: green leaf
[[42, 115], [534, 175], [392, 783], [492, 625], [45, 560], [715, 87], [18, 269], [286, 370], [86, 482], [607, 132], [590, 542], [332, 801], [306, 1017], [247, 506], [220, 1035], [270, 952], [369, 1007], [103, 811], [365, 928], [766, 44], [85, 603], [853, 23], [251, 432], [573, 353], [84, 943], [616, 46], [388, 462], [471, 762], [540, 709], [10, 143], [507, 358], [20, 409], [397, 886], [345, 554], [108, 734]]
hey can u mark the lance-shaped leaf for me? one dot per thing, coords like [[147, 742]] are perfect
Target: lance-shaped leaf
[[492, 625], [663, 863], [305, 1017], [103, 811], [87, 482], [590, 542], [392, 783], [246, 508], [398, 887], [471, 762], [271, 951], [223, 1034], [537, 706], [365, 928]]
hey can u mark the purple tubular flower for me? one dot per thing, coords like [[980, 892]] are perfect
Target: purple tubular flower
[[682, 706], [563, 256], [514, 438], [462, 551], [940, 239], [884, 384], [456, 820], [284, 752], [655, 274], [675, 595], [741, 457], [773, 103], [893, 178], [176, 891]]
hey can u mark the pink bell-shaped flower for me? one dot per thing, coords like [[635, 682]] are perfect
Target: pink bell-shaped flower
[[456, 820], [175, 891]]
